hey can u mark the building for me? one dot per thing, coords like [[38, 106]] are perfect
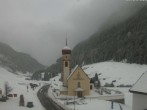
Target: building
[[66, 64], [139, 91], [76, 82]]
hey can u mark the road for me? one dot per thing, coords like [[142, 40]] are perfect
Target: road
[[46, 101]]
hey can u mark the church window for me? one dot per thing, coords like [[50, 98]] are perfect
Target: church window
[[78, 76], [79, 85], [66, 64]]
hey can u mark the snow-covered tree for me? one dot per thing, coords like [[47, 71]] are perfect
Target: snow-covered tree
[[97, 81]]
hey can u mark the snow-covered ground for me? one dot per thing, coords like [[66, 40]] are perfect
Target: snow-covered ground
[[96, 104], [86, 104], [19, 85], [123, 73], [127, 94]]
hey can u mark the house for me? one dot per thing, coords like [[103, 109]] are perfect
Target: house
[[76, 82], [139, 91]]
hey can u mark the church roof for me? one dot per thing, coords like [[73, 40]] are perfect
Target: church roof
[[66, 48], [140, 86], [74, 71]]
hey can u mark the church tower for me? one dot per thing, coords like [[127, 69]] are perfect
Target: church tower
[[66, 59]]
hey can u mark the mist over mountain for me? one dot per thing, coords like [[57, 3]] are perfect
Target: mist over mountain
[[122, 41], [16, 61], [39, 27]]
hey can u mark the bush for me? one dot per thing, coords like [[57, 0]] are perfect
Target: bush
[[122, 85], [109, 85]]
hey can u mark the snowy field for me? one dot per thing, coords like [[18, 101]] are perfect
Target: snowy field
[[121, 72], [19, 85], [96, 104], [87, 103]]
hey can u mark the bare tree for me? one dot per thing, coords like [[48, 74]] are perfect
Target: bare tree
[[8, 89]]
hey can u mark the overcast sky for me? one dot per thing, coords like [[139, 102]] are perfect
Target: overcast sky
[[39, 27]]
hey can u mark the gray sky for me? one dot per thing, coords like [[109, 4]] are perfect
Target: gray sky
[[39, 27]]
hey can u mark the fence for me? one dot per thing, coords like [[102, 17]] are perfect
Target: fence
[[51, 95]]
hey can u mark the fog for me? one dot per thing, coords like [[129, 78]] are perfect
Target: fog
[[40, 27]]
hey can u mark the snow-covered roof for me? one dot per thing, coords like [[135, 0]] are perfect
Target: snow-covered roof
[[72, 71], [75, 70], [140, 86], [66, 48]]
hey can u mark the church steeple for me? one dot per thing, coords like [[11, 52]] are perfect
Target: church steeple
[[66, 41], [66, 59], [66, 49]]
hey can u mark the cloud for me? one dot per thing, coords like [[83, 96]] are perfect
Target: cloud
[[39, 27]]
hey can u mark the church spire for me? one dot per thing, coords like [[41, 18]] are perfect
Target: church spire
[[66, 39], [66, 49]]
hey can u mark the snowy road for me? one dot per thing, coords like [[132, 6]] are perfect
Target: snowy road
[[45, 101]]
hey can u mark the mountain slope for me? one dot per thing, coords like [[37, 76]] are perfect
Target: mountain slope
[[124, 41], [122, 73], [19, 87], [17, 61]]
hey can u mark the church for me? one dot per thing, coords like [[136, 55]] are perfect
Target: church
[[75, 82]]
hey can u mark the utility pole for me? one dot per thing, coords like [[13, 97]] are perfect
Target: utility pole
[[74, 102], [112, 104]]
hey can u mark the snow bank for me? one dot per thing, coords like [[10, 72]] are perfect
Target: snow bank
[[123, 73], [19, 85]]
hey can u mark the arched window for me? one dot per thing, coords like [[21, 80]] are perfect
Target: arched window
[[79, 85], [66, 64]]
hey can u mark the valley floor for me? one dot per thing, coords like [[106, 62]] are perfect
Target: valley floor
[[121, 72], [13, 103], [94, 101], [19, 85]]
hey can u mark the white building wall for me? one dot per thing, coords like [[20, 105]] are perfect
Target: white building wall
[[139, 102]]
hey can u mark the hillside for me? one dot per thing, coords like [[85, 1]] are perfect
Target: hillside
[[19, 87], [17, 61], [124, 41], [124, 74], [110, 71], [120, 72]]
